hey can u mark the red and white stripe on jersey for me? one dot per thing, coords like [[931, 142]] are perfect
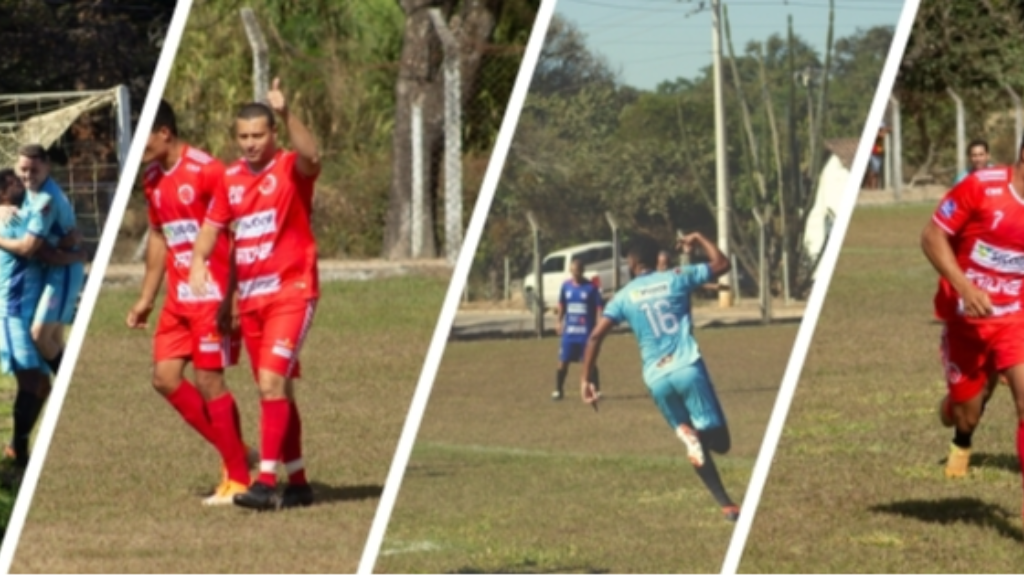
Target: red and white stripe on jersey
[[984, 217], [275, 251], [178, 200], [292, 354]]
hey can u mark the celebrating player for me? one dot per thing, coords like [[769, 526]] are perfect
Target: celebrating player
[[21, 283], [657, 307], [579, 305], [975, 241], [268, 196], [179, 184]]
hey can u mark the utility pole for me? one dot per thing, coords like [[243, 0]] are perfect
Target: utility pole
[[721, 160]]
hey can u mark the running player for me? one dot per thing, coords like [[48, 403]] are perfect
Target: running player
[[21, 284], [657, 307], [179, 184], [268, 196], [975, 241], [61, 284], [978, 157], [579, 305]]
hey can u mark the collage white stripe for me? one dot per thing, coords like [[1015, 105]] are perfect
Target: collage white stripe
[[129, 173], [307, 323], [828, 263], [455, 289]]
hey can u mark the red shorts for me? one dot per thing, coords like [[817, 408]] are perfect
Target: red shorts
[[195, 337], [274, 334], [971, 353]]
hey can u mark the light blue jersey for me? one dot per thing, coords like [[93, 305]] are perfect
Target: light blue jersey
[[657, 308], [21, 281], [63, 218]]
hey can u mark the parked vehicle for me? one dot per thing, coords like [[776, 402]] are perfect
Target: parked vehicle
[[597, 259]]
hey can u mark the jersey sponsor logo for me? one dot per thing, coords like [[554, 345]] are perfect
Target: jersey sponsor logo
[[252, 254], [284, 348], [991, 175], [210, 343], [658, 290], [183, 260], [186, 194], [180, 232], [185, 293], [576, 308], [193, 168], [953, 374], [156, 197], [235, 194], [257, 225], [993, 191], [994, 285], [997, 259], [947, 208], [259, 286], [268, 185]]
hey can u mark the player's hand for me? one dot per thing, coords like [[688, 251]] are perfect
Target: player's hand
[[198, 277], [589, 393], [977, 303], [71, 239], [685, 243], [139, 314], [559, 328], [275, 98], [7, 212]]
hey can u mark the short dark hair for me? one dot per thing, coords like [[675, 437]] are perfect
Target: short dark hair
[[7, 177], [644, 249], [254, 110], [34, 151], [977, 142], [583, 265], [165, 118]]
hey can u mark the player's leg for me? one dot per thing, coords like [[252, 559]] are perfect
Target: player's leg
[[67, 303], [1015, 377], [47, 331], [277, 333], [20, 357], [967, 365], [562, 371], [705, 410], [172, 347]]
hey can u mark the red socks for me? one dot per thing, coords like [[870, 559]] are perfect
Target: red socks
[[190, 404], [275, 417], [226, 426], [291, 453]]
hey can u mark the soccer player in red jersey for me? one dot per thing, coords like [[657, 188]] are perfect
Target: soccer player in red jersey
[[975, 241], [179, 184], [267, 196]]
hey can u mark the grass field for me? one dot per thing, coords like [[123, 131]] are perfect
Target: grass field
[[857, 482], [504, 480], [8, 388], [120, 491]]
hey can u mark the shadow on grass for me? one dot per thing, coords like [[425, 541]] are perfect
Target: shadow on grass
[[534, 568], [947, 511], [1004, 461], [326, 493]]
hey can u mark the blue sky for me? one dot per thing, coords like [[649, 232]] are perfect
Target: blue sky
[[648, 41]]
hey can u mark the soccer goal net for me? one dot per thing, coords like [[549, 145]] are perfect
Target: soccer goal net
[[87, 134]]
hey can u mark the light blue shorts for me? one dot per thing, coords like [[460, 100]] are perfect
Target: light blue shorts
[[17, 350], [59, 300], [686, 396]]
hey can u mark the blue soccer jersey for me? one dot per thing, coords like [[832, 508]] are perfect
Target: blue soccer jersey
[[63, 218], [657, 308], [581, 304], [20, 280]]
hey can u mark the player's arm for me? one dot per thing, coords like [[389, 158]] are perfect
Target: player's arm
[[227, 313], [719, 263], [199, 275], [70, 240], [936, 247], [26, 246], [303, 141], [587, 390], [56, 257], [156, 265]]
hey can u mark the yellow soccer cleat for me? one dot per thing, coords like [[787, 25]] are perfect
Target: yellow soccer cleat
[[225, 494], [958, 461]]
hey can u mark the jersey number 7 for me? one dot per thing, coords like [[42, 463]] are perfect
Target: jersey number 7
[[660, 317]]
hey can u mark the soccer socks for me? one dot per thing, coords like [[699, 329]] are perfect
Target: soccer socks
[[27, 406], [190, 404], [291, 452], [709, 475], [275, 417], [560, 378], [962, 439], [224, 421]]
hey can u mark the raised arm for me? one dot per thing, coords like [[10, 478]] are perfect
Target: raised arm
[[936, 247], [719, 262], [301, 138]]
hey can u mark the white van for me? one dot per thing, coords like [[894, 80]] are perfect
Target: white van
[[597, 260]]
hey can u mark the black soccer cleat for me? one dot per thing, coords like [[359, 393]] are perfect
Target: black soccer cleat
[[259, 496], [297, 496]]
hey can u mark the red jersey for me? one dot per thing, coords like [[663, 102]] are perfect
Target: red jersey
[[178, 201], [984, 217], [275, 251]]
